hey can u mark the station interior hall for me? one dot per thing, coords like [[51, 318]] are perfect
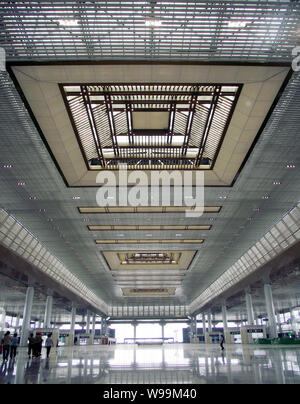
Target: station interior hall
[[150, 191]]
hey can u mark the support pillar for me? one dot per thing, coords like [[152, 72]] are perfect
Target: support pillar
[[224, 317], [193, 330], [292, 318], [270, 310], [249, 304], [279, 323], [93, 324], [2, 321], [88, 321], [134, 324], [209, 322], [27, 315], [203, 324], [48, 312], [162, 323], [72, 326], [102, 326]]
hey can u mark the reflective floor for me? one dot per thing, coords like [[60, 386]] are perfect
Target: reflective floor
[[168, 364]]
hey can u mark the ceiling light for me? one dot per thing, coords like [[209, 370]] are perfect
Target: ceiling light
[[21, 184], [178, 235], [237, 24], [276, 182], [266, 197], [7, 166], [153, 23], [68, 23], [290, 166], [76, 197]]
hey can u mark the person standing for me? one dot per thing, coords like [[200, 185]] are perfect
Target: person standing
[[14, 344], [49, 344], [6, 343], [30, 344], [222, 342]]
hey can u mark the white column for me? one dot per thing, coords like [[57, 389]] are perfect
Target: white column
[[250, 312], [209, 322], [292, 319], [73, 319], [279, 322], [48, 312], [224, 316], [134, 331], [162, 329], [203, 323], [2, 321], [270, 310], [102, 325], [93, 323], [88, 321], [27, 315]]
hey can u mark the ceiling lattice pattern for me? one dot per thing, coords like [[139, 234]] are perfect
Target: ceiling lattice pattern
[[150, 126], [199, 30]]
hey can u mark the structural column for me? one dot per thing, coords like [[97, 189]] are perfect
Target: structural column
[[48, 312], [93, 324], [209, 322], [73, 319], [92, 336], [134, 324], [250, 312], [102, 325], [2, 321], [224, 316], [270, 310], [88, 321], [162, 323], [279, 323], [193, 328], [203, 323], [27, 315]]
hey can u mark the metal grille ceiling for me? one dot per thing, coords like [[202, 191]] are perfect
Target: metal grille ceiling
[[54, 219], [199, 30], [188, 123], [33, 190]]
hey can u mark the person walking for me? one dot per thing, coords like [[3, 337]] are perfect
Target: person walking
[[222, 342], [37, 346], [30, 345], [49, 344], [6, 343], [14, 345]]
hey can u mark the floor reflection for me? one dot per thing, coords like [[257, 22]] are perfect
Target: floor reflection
[[174, 363]]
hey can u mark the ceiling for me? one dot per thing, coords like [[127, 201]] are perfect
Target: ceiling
[[33, 189]]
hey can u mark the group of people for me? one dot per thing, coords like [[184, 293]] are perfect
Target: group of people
[[35, 345], [10, 344]]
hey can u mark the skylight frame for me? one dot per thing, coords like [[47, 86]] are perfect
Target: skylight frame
[[101, 114]]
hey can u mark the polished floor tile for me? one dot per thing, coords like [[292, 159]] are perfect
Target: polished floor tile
[[168, 364]]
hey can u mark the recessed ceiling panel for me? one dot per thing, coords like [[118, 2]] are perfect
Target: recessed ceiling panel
[[86, 115]]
